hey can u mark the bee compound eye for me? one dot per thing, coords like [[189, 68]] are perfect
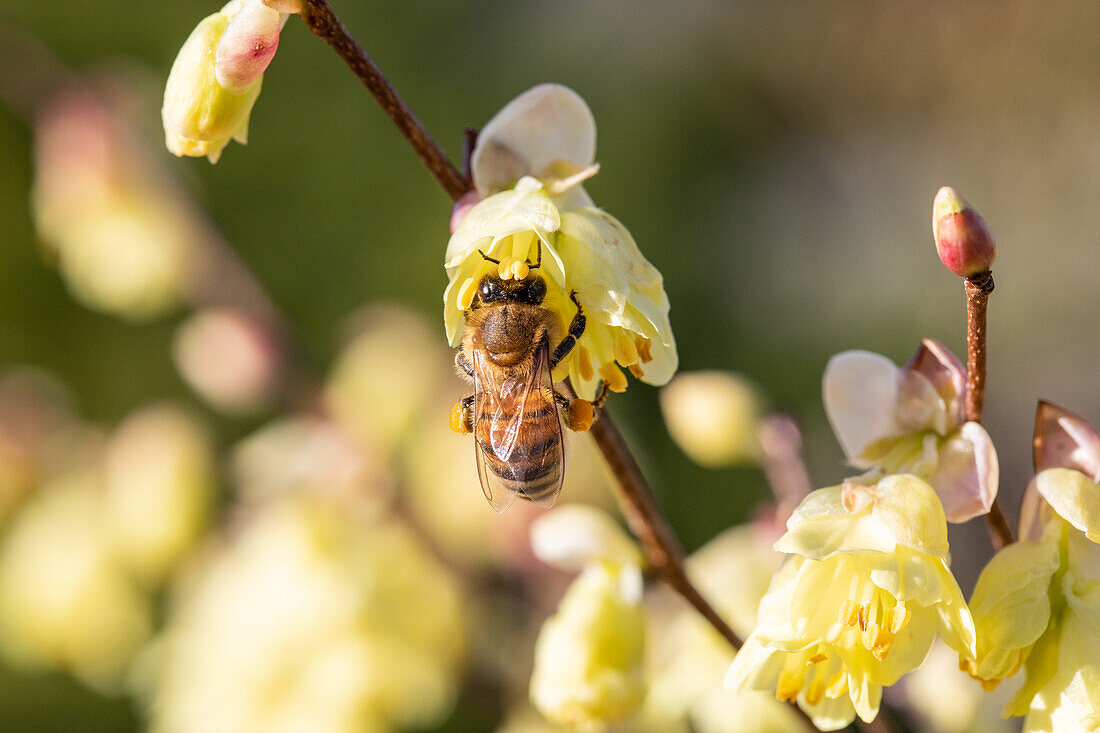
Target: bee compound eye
[[536, 291]]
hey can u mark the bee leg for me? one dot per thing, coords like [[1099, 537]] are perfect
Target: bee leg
[[601, 397], [462, 365], [579, 414], [462, 415], [576, 330]]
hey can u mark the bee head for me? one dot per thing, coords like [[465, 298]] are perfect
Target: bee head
[[494, 289]]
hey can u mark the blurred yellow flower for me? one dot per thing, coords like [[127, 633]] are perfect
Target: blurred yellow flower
[[123, 238], [860, 602], [159, 482], [528, 167], [714, 417], [589, 658], [312, 617], [65, 602]]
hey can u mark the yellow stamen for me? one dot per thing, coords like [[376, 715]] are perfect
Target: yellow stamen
[[990, 685], [626, 353], [848, 612], [815, 691], [815, 659], [788, 686], [881, 648], [643, 345], [504, 269], [864, 615], [613, 377], [584, 364], [837, 686], [636, 370], [870, 635], [466, 293], [899, 618], [520, 270]]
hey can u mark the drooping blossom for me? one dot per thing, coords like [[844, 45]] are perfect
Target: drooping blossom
[[528, 168], [912, 420], [858, 604]]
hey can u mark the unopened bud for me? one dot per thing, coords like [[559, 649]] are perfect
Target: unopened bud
[[247, 47], [963, 239], [200, 115]]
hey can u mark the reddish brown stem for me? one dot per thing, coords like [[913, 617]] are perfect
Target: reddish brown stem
[[978, 288], [660, 544], [324, 23]]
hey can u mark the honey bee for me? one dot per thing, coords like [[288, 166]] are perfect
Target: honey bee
[[515, 414]]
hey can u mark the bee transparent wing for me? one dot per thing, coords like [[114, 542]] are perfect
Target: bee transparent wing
[[487, 404], [517, 434], [552, 436], [500, 497]]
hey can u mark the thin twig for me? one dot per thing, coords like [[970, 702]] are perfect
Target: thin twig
[[978, 288], [661, 547], [324, 23]]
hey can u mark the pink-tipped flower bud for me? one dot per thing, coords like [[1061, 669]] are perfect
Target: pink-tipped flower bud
[[963, 239]]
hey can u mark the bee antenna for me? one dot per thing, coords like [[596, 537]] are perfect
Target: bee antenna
[[487, 258]]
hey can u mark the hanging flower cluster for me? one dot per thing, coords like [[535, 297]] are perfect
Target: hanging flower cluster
[[911, 420], [532, 210], [858, 604], [1037, 603]]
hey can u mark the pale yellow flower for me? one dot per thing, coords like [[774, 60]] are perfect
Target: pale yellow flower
[[584, 251], [589, 658], [65, 601], [159, 482], [860, 602], [122, 236], [528, 168], [310, 618], [714, 417], [912, 420], [1037, 607]]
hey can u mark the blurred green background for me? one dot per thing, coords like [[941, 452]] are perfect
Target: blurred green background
[[775, 160]]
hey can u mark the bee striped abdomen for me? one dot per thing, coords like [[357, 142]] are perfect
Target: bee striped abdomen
[[527, 462]]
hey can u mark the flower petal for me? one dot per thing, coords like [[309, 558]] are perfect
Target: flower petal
[[860, 391], [946, 373], [1074, 496], [525, 208], [821, 527], [247, 46], [1011, 606], [967, 473], [911, 511], [1064, 439], [919, 406], [545, 125]]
